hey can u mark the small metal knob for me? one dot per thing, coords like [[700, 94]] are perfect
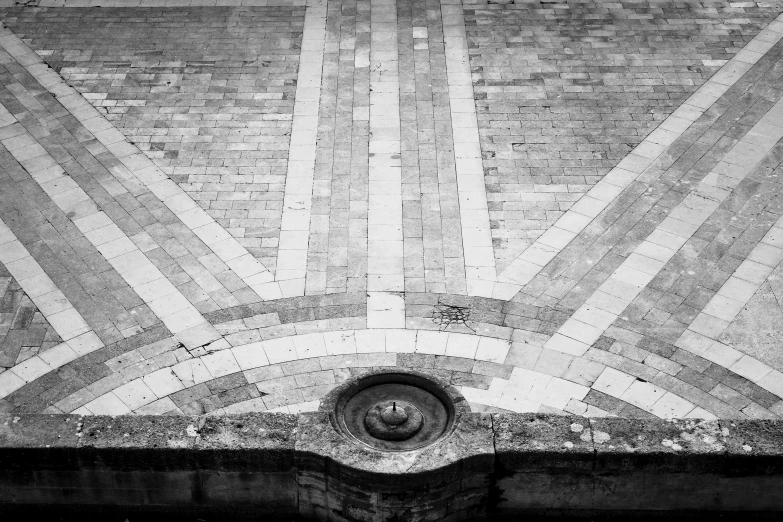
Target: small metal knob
[[393, 415], [393, 420]]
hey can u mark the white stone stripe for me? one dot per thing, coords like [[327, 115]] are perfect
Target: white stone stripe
[[6, 118], [384, 208], [735, 293], [160, 3], [298, 198], [530, 262], [142, 171], [603, 307], [140, 392], [69, 324], [479, 255], [385, 247], [702, 334], [719, 353], [252, 405], [526, 391], [385, 310], [646, 396], [162, 297]]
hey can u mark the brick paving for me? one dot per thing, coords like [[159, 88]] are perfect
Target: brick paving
[[563, 94], [206, 93], [371, 172], [77, 269], [24, 330]]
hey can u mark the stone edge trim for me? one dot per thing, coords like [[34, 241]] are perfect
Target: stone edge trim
[[609, 460]]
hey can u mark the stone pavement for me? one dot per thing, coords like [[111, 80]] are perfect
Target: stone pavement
[[220, 206]]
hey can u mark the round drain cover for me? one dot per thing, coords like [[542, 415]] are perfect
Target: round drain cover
[[393, 411]]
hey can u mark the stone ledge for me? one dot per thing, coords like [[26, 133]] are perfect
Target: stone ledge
[[491, 465]]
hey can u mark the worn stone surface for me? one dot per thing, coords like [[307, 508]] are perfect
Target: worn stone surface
[[656, 446], [393, 158], [532, 443], [470, 439], [491, 465], [756, 331]]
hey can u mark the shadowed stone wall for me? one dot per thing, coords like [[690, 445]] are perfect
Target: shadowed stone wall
[[501, 465]]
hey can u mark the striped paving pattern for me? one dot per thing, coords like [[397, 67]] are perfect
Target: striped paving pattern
[[388, 252]]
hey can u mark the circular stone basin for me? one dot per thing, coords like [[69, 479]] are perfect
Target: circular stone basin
[[393, 411]]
